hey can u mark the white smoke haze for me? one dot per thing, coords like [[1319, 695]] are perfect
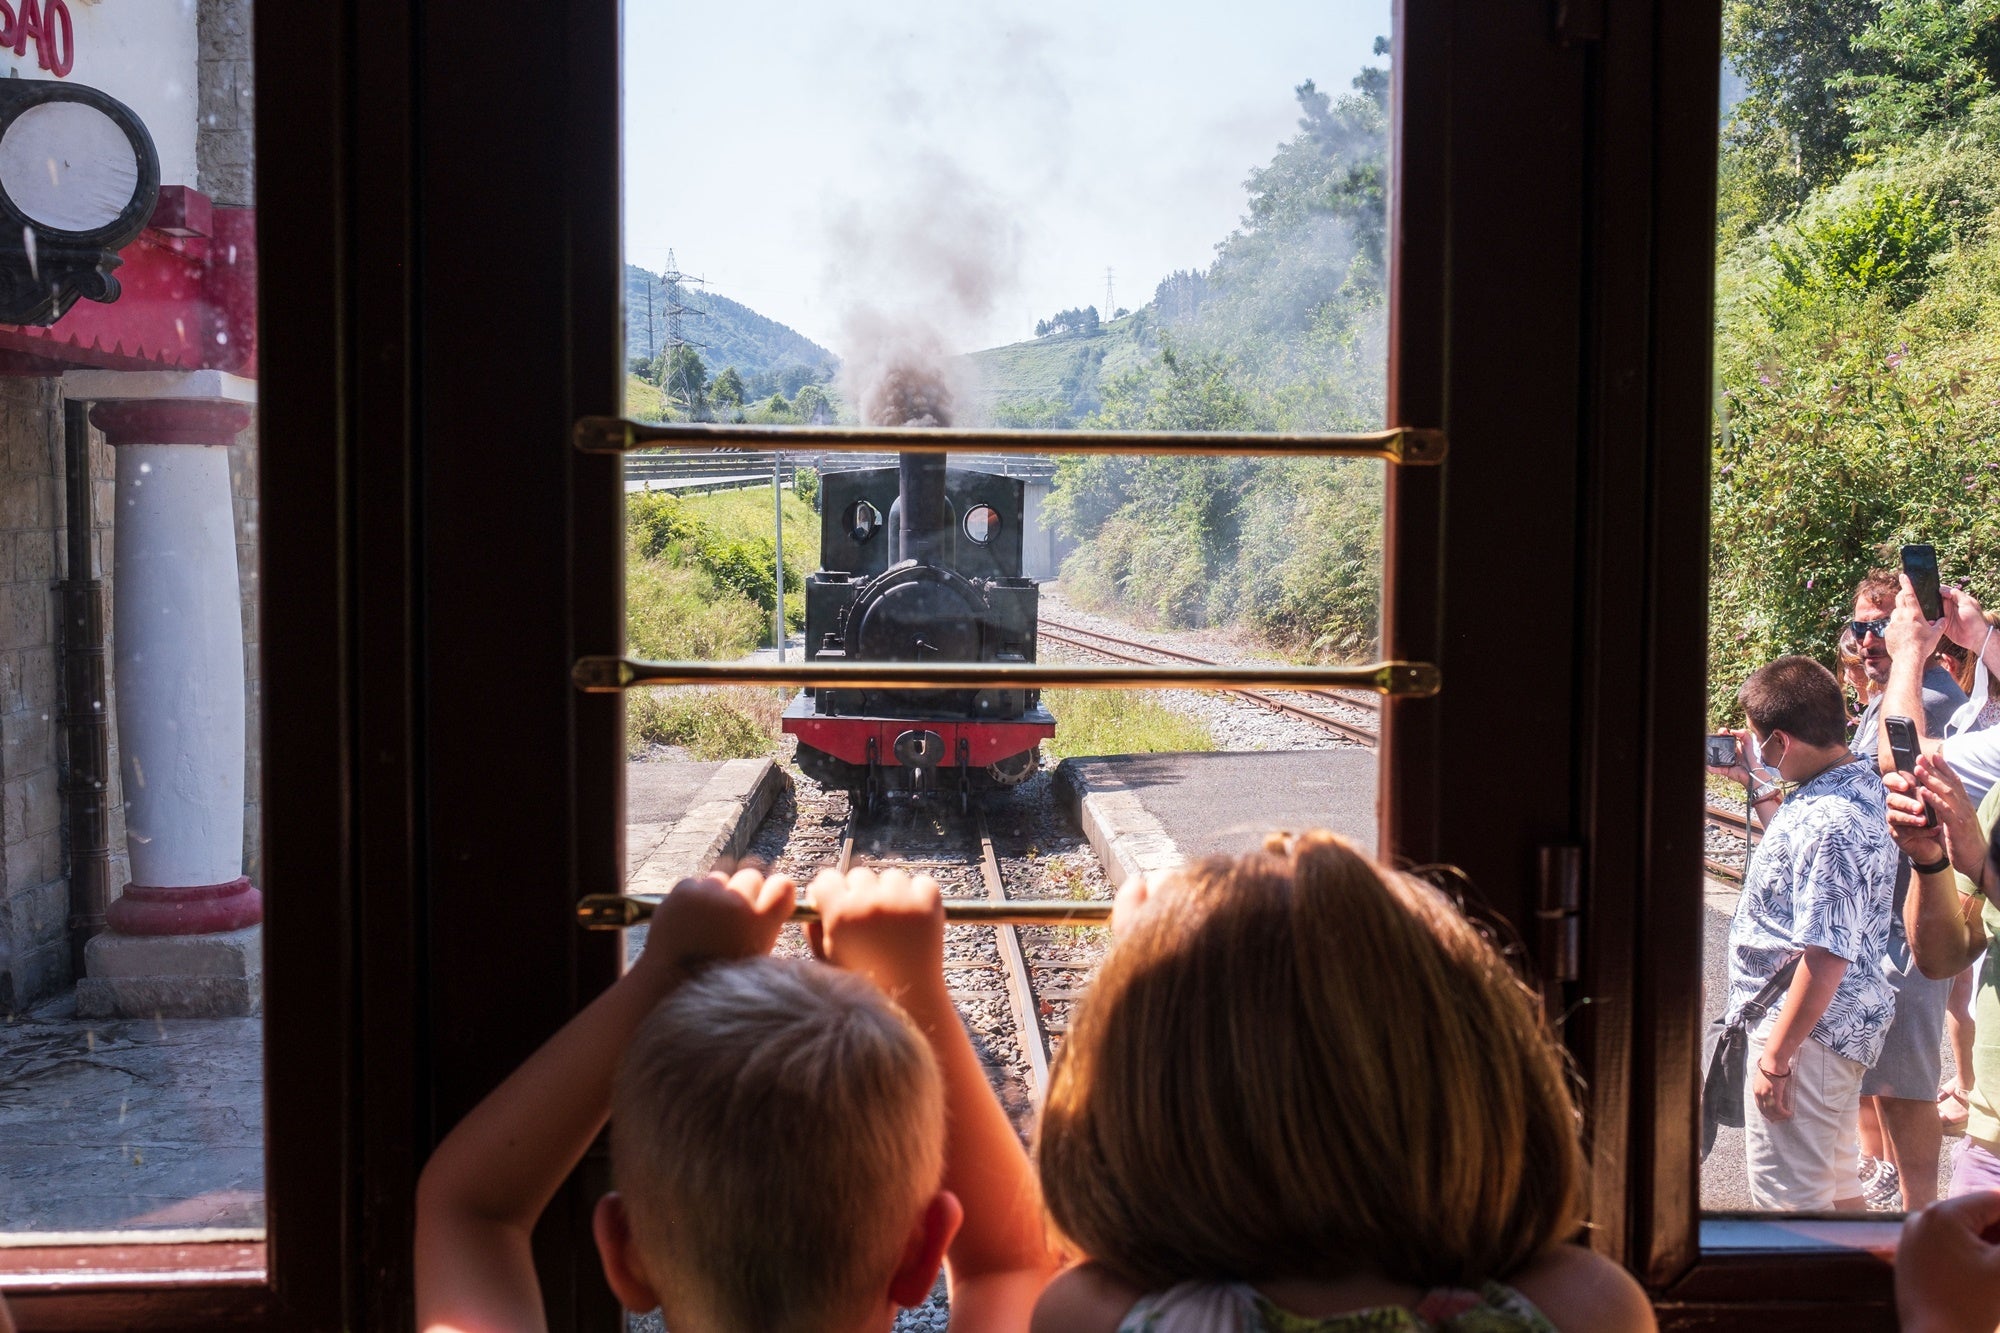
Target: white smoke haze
[[919, 272]]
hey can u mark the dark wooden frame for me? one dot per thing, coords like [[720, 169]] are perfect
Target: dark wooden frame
[[1553, 312]]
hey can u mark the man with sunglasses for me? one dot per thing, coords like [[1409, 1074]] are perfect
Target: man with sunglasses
[[1902, 1085]]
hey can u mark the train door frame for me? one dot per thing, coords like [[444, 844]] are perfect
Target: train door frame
[[419, 960]]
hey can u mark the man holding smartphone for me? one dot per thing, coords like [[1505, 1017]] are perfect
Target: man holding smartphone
[[1902, 1085], [1817, 888]]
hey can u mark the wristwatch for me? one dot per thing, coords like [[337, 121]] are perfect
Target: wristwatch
[[1768, 789]]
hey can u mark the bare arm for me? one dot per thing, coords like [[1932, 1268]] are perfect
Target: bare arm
[[1944, 936], [891, 929], [490, 1179], [1805, 1004]]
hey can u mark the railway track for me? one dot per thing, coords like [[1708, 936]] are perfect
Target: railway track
[[1014, 983], [1733, 823], [1092, 641]]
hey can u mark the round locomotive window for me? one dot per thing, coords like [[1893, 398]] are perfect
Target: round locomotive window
[[861, 521], [982, 523]]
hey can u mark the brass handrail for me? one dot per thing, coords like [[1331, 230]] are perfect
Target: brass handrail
[[621, 911], [609, 675], [1407, 445]]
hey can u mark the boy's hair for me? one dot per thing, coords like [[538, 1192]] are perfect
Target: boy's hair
[[1298, 1064], [1879, 587], [1795, 695], [777, 1128]]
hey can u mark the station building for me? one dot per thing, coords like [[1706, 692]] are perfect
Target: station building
[[129, 736]]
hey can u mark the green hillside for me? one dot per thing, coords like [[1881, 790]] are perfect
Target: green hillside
[[1056, 380], [729, 334]]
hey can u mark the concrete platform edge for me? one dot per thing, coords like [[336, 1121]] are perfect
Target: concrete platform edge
[[717, 827], [1127, 839]]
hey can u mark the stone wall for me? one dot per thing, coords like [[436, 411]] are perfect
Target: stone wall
[[225, 142], [34, 884]]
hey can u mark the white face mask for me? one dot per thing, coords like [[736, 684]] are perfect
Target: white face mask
[[1764, 760]]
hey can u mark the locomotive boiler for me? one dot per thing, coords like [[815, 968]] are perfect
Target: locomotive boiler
[[920, 562]]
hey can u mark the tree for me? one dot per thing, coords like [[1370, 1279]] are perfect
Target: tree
[[1934, 60], [728, 387], [686, 378], [1789, 133], [812, 405]]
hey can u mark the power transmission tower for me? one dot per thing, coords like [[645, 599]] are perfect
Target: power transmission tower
[[673, 281], [1108, 306]]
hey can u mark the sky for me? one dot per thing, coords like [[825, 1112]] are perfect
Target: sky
[[809, 159]]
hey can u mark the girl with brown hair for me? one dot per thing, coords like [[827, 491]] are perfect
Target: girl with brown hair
[[1305, 1093]]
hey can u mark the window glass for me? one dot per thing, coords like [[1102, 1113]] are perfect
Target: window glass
[[1856, 401], [1030, 218], [131, 1084]]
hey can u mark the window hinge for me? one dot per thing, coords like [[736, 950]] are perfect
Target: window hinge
[[1579, 21], [1560, 912]]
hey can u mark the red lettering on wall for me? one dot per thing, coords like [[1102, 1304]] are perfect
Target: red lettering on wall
[[30, 26], [58, 57], [6, 24]]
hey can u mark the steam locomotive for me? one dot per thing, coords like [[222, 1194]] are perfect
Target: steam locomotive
[[919, 563]]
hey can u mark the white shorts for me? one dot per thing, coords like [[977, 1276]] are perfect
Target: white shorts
[[1803, 1164]]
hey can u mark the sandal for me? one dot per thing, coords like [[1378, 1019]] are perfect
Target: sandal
[[1954, 1121]]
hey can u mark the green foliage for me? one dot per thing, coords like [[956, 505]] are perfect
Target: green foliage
[[1119, 722], [728, 387], [1884, 241], [726, 537], [644, 401], [1929, 62], [685, 378], [1859, 356], [805, 485], [675, 612], [1789, 133], [813, 406], [708, 724]]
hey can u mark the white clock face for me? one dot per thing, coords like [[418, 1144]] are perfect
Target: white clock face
[[68, 166]]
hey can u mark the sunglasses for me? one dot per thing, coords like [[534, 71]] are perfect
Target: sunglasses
[[1863, 628]]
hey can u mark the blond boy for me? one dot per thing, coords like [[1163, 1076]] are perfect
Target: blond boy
[[791, 1149]]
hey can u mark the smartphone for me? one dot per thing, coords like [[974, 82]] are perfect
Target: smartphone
[[1722, 751], [1902, 734], [1920, 565]]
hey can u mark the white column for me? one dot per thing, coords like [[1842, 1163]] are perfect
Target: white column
[[178, 667]]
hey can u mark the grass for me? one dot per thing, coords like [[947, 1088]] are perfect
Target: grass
[[676, 613], [747, 513], [708, 724], [643, 401], [1119, 722]]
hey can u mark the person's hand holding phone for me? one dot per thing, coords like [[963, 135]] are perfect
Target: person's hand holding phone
[[1738, 771], [1910, 631], [1912, 823]]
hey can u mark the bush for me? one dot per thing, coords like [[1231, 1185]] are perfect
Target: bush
[[708, 724], [674, 613], [805, 485]]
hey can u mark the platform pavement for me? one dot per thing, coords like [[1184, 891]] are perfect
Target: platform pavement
[[1148, 811]]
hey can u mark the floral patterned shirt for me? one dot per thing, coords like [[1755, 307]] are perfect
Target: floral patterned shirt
[[1235, 1307], [1824, 875]]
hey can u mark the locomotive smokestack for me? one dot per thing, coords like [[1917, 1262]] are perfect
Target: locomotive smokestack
[[926, 521], [914, 394]]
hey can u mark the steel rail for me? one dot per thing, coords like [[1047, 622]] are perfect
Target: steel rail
[[1407, 445], [1333, 724], [1367, 701], [621, 911], [1020, 990], [608, 675]]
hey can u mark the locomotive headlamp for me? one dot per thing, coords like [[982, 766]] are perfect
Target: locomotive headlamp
[[79, 178], [982, 523]]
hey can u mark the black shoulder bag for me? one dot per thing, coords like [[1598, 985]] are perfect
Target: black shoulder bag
[[1728, 1062]]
